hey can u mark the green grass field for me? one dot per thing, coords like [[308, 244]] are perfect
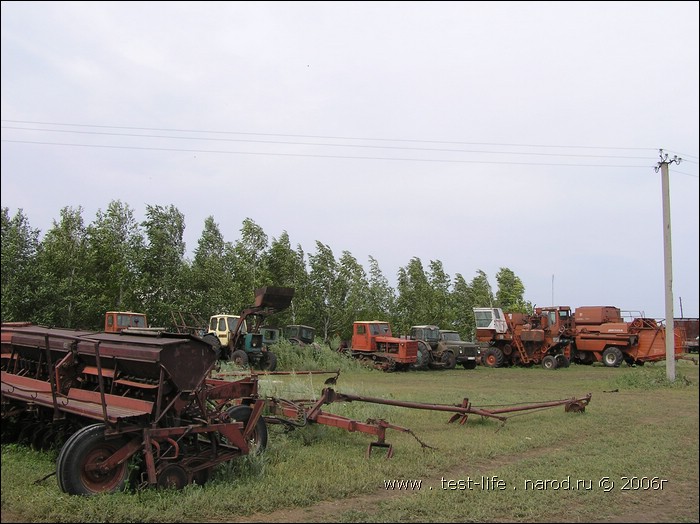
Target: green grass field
[[631, 457]]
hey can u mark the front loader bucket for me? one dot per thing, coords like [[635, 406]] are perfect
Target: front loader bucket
[[277, 298]]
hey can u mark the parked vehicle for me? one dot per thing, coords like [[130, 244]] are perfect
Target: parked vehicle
[[518, 339], [373, 344], [241, 336], [553, 337], [467, 353], [442, 349]]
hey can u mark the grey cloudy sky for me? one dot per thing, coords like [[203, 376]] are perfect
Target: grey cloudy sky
[[484, 135]]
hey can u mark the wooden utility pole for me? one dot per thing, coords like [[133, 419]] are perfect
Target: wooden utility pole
[[668, 266]]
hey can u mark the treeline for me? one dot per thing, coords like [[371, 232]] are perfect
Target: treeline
[[76, 272]]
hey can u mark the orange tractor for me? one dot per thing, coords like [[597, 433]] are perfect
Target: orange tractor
[[373, 344]]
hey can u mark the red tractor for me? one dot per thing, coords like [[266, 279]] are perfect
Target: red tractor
[[373, 344]]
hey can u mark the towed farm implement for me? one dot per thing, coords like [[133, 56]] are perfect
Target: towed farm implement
[[147, 410]]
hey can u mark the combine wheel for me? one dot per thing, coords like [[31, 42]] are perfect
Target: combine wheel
[[493, 358], [258, 438], [549, 362], [240, 358], [562, 361], [449, 360], [268, 362], [173, 476], [85, 449], [422, 357], [612, 357]]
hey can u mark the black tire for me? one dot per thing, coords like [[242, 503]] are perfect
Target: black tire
[[268, 362], [549, 362], [89, 446], [449, 359], [214, 342], [240, 358], [422, 357], [258, 440], [173, 476], [469, 364], [562, 361], [493, 358], [612, 357]]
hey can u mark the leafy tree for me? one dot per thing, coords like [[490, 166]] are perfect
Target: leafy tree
[[328, 291], [510, 292], [462, 304], [440, 300], [112, 243], [210, 278], [18, 266], [480, 290], [282, 266], [416, 300], [63, 298], [250, 250], [381, 295], [354, 301], [161, 262]]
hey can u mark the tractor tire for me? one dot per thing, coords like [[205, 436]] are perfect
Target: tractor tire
[[449, 359], [214, 342], [549, 362], [258, 439], [88, 447], [562, 361], [422, 357], [493, 358], [268, 362], [612, 357], [240, 358]]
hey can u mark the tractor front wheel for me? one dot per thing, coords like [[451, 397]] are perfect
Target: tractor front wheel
[[240, 358]]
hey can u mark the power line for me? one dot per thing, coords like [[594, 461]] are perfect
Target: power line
[[443, 150], [655, 149], [317, 156]]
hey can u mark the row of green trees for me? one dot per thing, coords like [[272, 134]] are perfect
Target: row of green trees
[[76, 272]]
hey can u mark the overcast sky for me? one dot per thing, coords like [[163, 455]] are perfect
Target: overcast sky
[[484, 135]]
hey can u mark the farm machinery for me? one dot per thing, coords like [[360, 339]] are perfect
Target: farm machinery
[[374, 346], [110, 401], [442, 349], [518, 339], [554, 337], [146, 409], [241, 338]]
